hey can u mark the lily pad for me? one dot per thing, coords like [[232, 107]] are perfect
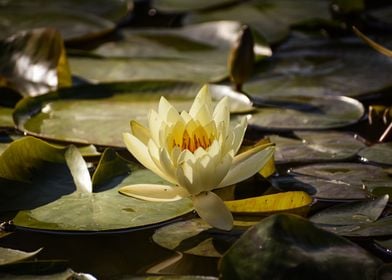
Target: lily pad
[[315, 146], [293, 202], [306, 112], [74, 114], [195, 237], [321, 67], [378, 153], [288, 247], [335, 181], [270, 18], [9, 256], [106, 209], [34, 62], [72, 18]]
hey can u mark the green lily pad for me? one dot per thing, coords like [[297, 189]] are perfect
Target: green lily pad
[[335, 181], [271, 18], [106, 208], [72, 18], [321, 67], [195, 237], [75, 114], [315, 147], [9, 256], [306, 112], [378, 153], [34, 62], [290, 247]]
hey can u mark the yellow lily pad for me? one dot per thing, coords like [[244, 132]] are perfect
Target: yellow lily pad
[[296, 202]]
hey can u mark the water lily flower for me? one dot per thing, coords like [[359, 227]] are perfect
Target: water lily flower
[[196, 152]]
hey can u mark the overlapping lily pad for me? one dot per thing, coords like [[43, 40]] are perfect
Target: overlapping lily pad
[[195, 53], [72, 18], [176, 6], [9, 256], [379, 153], [306, 112], [6, 117], [272, 18], [289, 247], [320, 67], [315, 147], [336, 181], [99, 114]]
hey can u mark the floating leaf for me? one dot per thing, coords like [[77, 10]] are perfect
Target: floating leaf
[[315, 147], [319, 67], [6, 117], [104, 210], [74, 114], [379, 153], [288, 247], [195, 237], [293, 202], [305, 112], [335, 181], [9, 256], [34, 62], [72, 18], [270, 18]]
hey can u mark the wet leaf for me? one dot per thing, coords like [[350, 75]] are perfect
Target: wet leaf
[[378, 153], [272, 19], [335, 181], [34, 62], [292, 202], [315, 147], [316, 66], [305, 112], [9, 256], [288, 247], [74, 114]]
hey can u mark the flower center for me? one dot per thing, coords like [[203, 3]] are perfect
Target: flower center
[[191, 140]]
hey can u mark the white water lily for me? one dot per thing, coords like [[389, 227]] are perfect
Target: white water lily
[[196, 153]]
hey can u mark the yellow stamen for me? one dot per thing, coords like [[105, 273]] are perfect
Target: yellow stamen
[[192, 140]]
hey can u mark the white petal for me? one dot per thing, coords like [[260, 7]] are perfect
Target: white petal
[[141, 153], [222, 112], [239, 132], [247, 164], [212, 209], [140, 132], [203, 116], [202, 98], [155, 155], [167, 111], [79, 170], [156, 125], [152, 192], [189, 177]]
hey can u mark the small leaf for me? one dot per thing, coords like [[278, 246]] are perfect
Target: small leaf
[[292, 202]]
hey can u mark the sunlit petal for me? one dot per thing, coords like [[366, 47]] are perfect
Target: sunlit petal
[[222, 112], [202, 99], [239, 132], [152, 192], [167, 111], [79, 170], [247, 164], [211, 209], [140, 132], [141, 153]]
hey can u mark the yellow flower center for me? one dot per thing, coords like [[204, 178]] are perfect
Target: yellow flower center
[[192, 139]]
